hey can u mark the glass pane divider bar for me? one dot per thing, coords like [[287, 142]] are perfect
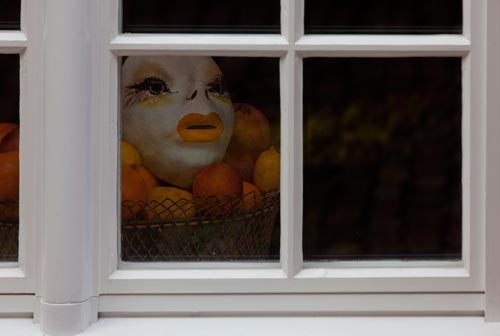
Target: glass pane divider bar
[[12, 42], [278, 45], [381, 45], [291, 164], [292, 19], [214, 45], [292, 16]]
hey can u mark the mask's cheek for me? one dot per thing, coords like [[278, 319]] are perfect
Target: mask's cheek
[[155, 125], [221, 99]]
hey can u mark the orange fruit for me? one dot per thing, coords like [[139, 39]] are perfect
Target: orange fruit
[[251, 132], [266, 173], [6, 128], [9, 137], [214, 184], [241, 161], [9, 175], [252, 198], [133, 191], [170, 202], [150, 180]]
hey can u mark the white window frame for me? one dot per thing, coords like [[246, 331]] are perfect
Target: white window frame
[[292, 276], [68, 257], [18, 279]]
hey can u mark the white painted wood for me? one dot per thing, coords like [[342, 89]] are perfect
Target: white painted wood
[[474, 148], [67, 319], [493, 163], [107, 126], [382, 45], [293, 326], [31, 119], [20, 277], [391, 264], [14, 304], [359, 280], [174, 265], [297, 326], [300, 304], [198, 44], [68, 269], [292, 19], [467, 17], [12, 42], [336, 277], [291, 163]]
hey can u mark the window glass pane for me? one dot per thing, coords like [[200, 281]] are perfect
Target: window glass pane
[[192, 16], [382, 158], [9, 157], [383, 16], [200, 159], [10, 12]]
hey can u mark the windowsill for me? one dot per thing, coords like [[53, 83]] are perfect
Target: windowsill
[[352, 326]]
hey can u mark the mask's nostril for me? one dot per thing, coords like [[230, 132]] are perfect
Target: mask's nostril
[[193, 95]]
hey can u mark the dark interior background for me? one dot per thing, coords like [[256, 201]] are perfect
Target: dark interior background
[[9, 88], [255, 81], [10, 13], [194, 16], [382, 158], [383, 16]]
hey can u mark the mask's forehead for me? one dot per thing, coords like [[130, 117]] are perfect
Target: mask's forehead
[[136, 68], [169, 68], [205, 68], [150, 69]]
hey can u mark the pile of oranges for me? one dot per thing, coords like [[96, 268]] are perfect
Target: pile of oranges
[[9, 167], [250, 168]]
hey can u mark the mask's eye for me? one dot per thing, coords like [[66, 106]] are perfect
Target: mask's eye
[[155, 86], [217, 87]]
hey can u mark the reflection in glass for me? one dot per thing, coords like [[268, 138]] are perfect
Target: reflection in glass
[[382, 158], [192, 16], [199, 159], [9, 157], [383, 17], [10, 12]]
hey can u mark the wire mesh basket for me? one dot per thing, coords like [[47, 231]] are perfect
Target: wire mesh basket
[[9, 230], [236, 228]]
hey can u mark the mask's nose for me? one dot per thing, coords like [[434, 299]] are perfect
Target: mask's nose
[[192, 96]]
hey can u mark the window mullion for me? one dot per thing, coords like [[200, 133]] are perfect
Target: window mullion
[[292, 19], [291, 166]]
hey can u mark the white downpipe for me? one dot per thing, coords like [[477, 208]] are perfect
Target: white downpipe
[[67, 271]]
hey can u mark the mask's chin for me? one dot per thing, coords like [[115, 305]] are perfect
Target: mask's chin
[[196, 127]]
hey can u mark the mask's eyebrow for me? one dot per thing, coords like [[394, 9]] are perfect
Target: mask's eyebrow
[[212, 73], [149, 70]]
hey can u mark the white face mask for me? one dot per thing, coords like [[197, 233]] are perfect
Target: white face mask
[[177, 113]]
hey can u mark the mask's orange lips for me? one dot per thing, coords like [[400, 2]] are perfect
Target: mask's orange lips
[[196, 127]]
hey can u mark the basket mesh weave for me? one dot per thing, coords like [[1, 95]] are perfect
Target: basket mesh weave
[[220, 230], [9, 230]]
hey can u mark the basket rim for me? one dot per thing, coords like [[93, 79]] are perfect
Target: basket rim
[[206, 219]]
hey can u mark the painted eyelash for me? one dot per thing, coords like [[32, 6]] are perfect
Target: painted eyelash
[[146, 84], [218, 81]]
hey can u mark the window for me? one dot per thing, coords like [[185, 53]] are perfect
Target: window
[[351, 254]]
